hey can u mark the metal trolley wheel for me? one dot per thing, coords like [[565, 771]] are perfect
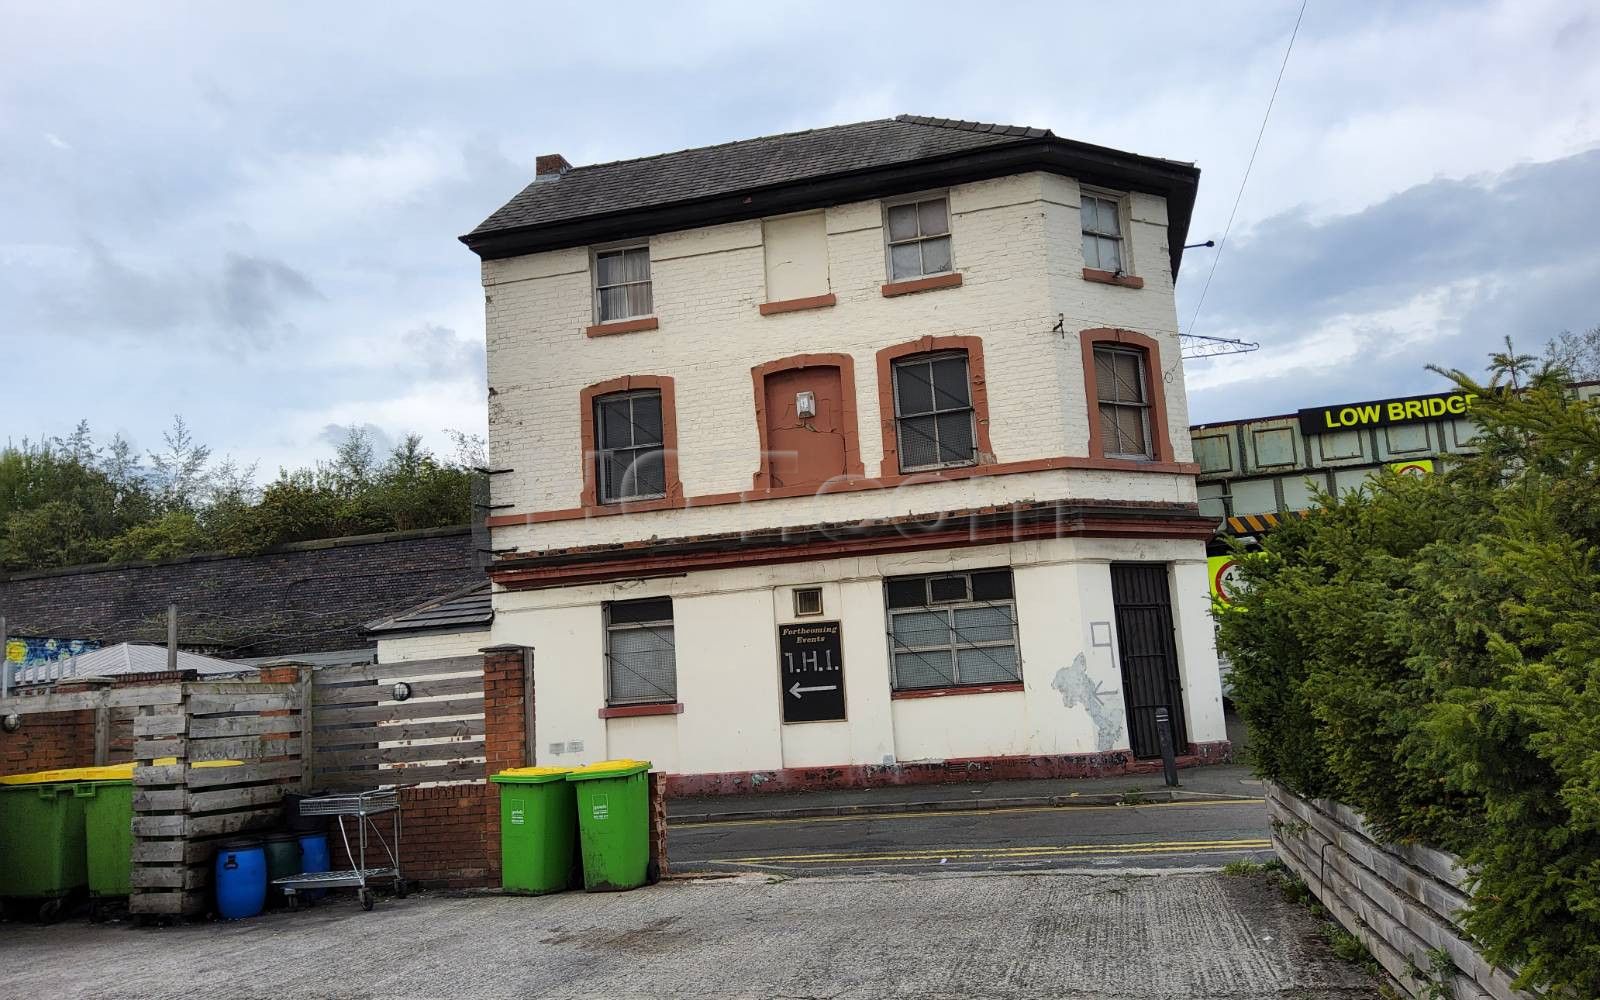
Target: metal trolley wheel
[[366, 899]]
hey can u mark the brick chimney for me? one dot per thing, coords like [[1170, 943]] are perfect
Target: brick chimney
[[550, 167]]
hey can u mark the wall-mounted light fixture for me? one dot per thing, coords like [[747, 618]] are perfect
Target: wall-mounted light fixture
[[805, 404], [402, 691], [11, 723]]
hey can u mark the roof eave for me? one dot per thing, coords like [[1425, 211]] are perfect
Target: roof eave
[[1177, 182]]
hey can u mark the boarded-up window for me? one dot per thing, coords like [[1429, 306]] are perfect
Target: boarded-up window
[[796, 252], [1123, 401], [933, 412], [630, 456], [641, 655]]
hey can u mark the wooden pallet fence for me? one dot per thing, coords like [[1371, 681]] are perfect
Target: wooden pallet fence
[[363, 737], [238, 745]]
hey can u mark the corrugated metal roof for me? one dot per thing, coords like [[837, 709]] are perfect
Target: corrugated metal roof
[[126, 658], [458, 611]]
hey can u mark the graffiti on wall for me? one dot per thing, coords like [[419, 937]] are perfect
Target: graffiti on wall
[[27, 652], [1104, 707]]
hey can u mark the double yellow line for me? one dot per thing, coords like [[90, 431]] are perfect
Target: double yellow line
[[968, 854]]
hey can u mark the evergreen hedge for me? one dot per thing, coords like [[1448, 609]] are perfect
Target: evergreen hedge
[[1428, 652]]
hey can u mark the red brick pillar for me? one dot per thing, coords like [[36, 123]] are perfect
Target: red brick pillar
[[507, 706], [658, 822]]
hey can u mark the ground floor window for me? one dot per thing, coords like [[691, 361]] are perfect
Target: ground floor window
[[641, 660], [952, 629]]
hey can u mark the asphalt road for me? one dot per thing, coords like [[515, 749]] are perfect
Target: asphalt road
[[1164, 835]]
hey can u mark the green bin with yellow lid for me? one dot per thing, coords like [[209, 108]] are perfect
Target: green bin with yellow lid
[[538, 829], [613, 823]]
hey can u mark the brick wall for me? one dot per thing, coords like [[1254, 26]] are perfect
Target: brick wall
[[303, 598], [51, 740], [505, 732], [48, 741], [444, 841], [1017, 245]]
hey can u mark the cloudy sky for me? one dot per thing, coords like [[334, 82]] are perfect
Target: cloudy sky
[[247, 213]]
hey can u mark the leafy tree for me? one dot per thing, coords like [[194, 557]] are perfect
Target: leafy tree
[[1429, 652], [179, 474], [71, 500], [1578, 354]]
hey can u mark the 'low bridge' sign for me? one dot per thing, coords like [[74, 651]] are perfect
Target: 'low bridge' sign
[[811, 670]]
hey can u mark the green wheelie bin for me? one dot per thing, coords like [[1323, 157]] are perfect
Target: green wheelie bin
[[614, 823], [108, 834], [538, 829], [42, 856]]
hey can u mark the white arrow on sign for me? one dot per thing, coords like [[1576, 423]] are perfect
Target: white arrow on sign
[[797, 690]]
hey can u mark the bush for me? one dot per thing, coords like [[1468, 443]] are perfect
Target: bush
[[1428, 651]]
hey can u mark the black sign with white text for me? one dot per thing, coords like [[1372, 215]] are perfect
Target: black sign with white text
[[811, 670]]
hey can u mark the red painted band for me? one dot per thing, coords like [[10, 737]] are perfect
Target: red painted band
[[938, 772]]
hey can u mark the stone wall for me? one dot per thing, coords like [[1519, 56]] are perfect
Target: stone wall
[[301, 598], [1402, 901]]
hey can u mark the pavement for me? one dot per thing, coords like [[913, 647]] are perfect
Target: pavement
[[1194, 783], [1192, 935]]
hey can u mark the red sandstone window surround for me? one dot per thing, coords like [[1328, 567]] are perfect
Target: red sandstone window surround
[[1104, 352], [595, 450], [894, 462]]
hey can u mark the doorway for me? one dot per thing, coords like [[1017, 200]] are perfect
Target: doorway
[[1142, 603]]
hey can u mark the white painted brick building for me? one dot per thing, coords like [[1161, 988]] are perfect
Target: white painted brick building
[[852, 363]]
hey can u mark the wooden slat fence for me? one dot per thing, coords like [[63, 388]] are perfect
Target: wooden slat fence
[[182, 810], [363, 737]]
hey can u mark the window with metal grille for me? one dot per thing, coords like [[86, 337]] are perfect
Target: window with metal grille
[[952, 630], [933, 412], [807, 601], [630, 455], [1101, 219], [622, 284], [641, 665], [1122, 397], [919, 238]]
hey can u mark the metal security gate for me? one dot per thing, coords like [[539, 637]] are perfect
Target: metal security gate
[[1143, 606]]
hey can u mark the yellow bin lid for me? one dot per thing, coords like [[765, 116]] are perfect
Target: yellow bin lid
[[111, 772], [530, 775], [608, 769]]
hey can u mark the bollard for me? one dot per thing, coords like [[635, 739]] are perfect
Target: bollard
[[1169, 762]]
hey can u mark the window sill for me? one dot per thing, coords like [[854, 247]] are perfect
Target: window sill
[[621, 326], [1112, 278], [893, 288], [797, 305], [634, 711], [948, 692]]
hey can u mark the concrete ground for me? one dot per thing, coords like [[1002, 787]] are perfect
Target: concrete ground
[[1194, 936]]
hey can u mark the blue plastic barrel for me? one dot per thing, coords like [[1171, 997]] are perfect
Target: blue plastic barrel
[[241, 879], [314, 858]]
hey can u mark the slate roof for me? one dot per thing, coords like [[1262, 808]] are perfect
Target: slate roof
[[459, 611], [564, 210], [749, 163]]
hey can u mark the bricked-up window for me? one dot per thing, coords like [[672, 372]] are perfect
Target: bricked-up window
[[1101, 219], [622, 284], [630, 454], [933, 412], [953, 630], [1120, 381], [641, 662], [919, 238]]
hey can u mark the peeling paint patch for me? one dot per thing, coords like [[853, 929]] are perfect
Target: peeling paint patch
[[1077, 688]]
